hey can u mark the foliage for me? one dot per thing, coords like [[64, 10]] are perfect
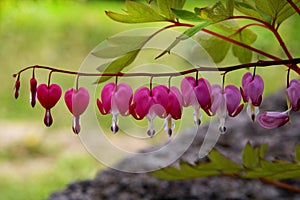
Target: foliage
[[254, 166]]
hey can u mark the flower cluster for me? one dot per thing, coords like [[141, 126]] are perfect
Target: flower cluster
[[167, 102]]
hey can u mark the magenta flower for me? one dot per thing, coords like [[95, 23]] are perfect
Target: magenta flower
[[196, 94], [115, 99], [293, 94], [174, 109], [48, 96], [225, 103], [150, 104], [251, 90], [33, 84], [77, 101], [271, 120]]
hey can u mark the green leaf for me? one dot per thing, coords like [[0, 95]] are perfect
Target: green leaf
[[117, 65], [165, 7], [214, 13], [297, 154], [217, 165], [215, 47], [185, 35], [250, 156], [187, 15], [137, 12], [247, 37], [120, 45], [247, 9], [230, 7]]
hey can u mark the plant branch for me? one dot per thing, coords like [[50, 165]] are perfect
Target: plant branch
[[226, 69], [294, 6], [280, 184]]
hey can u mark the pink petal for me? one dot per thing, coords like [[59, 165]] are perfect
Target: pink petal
[[293, 92], [175, 103], [187, 88], [106, 96], [48, 96], [233, 99], [255, 90], [217, 97], [247, 78], [270, 120], [160, 96], [121, 99], [77, 101], [203, 93], [142, 102]]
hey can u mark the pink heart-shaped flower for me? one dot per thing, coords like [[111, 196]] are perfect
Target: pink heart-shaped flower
[[48, 96], [77, 101]]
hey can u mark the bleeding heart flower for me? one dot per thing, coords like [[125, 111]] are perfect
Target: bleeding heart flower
[[270, 120], [174, 109], [196, 94], [48, 96], [33, 84], [17, 88], [150, 104], [115, 99], [225, 103], [77, 101], [293, 94], [251, 90]]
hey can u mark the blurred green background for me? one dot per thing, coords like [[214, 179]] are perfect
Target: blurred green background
[[34, 160]]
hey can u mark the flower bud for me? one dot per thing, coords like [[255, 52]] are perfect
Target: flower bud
[[17, 88], [33, 84]]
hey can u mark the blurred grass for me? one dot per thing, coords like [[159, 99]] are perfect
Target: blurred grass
[[61, 34]]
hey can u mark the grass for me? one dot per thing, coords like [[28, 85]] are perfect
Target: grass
[[36, 161]]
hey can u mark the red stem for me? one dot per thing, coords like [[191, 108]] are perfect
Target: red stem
[[220, 69], [294, 6], [280, 184]]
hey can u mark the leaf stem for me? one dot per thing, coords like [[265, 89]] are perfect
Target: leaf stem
[[294, 6], [280, 184]]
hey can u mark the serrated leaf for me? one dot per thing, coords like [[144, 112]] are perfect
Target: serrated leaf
[[185, 35], [187, 15], [250, 156], [214, 13], [137, 12], [274, 170], [218, 165], [120, 45], [297, 154], [117, 65], [165, 7]]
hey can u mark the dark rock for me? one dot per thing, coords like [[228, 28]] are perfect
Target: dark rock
[[112, 184]]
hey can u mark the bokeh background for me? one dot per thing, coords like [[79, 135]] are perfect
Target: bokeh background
[[35, 160]]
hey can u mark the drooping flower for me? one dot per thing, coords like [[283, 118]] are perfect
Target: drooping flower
[[196, 94], [150, 104], [225, 103], [48, 96], [115, 100], [17, 88], [251, 90], [77, 101], [293, 94], [33, 84], [271, 120], [174, 109]]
